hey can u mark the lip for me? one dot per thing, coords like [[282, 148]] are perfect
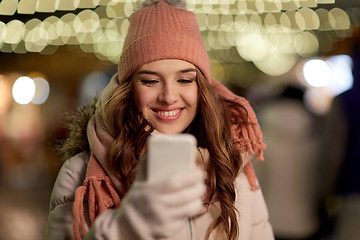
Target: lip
[[168, 114]]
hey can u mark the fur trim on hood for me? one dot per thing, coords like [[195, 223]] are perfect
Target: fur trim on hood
[[76, 125]]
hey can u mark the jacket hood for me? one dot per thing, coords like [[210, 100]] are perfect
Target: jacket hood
[[76, 125]]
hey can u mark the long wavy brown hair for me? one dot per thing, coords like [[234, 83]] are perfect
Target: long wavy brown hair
[[212, 129]]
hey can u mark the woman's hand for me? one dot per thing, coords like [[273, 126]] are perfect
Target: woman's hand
[[162, 208]]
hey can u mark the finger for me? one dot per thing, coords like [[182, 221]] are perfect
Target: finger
[[184, 195], [181, 180], [187, 210]]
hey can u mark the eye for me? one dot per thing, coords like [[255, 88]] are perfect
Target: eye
[[149, 82], [186, 81]]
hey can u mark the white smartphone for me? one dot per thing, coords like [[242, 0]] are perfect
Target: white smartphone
[[168, 154]]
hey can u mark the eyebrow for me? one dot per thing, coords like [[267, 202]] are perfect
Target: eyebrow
[[148, 72], [187, 70]]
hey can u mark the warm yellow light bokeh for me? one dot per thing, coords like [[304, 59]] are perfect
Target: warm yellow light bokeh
[[251, 26]]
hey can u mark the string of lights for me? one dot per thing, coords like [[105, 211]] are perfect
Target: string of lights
[[266, 32]]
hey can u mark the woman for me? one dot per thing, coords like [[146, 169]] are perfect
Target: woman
[[163, 85]]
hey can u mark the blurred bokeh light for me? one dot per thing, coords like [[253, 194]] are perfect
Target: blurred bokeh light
[[326, 79], [250, 26], [23, 90], [42, 90], [317, 73], [5, 94]]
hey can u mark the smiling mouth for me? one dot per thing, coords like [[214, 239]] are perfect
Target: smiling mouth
[[168, 115]]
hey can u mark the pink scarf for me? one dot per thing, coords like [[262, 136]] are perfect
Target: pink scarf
[[101, 186]]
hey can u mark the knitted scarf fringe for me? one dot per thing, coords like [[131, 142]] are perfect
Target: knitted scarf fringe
[[248, 137], [93, 189]]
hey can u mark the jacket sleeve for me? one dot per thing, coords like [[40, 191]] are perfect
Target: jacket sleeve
[[261, 227], [253, 212], [115, 224], [111, 224], [70, 177]]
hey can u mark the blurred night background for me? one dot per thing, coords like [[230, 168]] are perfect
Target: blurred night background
[[290, 58]]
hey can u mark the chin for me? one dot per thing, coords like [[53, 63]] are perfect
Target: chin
[[169, 131]]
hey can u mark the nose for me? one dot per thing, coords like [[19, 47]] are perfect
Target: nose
[[169, 94]]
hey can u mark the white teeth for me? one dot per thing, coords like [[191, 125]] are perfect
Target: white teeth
[[169, 113]]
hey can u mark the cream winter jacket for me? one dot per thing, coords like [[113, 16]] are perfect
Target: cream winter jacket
[[252, 212]]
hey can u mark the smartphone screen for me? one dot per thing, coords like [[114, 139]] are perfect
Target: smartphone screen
[[168, 154]]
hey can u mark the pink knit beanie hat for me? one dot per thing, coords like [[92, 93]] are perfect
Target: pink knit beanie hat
[[161, 31]]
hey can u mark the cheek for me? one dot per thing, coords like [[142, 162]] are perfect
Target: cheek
[[143, 97], [194, 96]]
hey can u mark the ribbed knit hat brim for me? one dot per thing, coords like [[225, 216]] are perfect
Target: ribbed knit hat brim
[[159, 32]]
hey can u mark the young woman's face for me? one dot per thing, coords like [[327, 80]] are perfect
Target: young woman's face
[[166, 92]]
